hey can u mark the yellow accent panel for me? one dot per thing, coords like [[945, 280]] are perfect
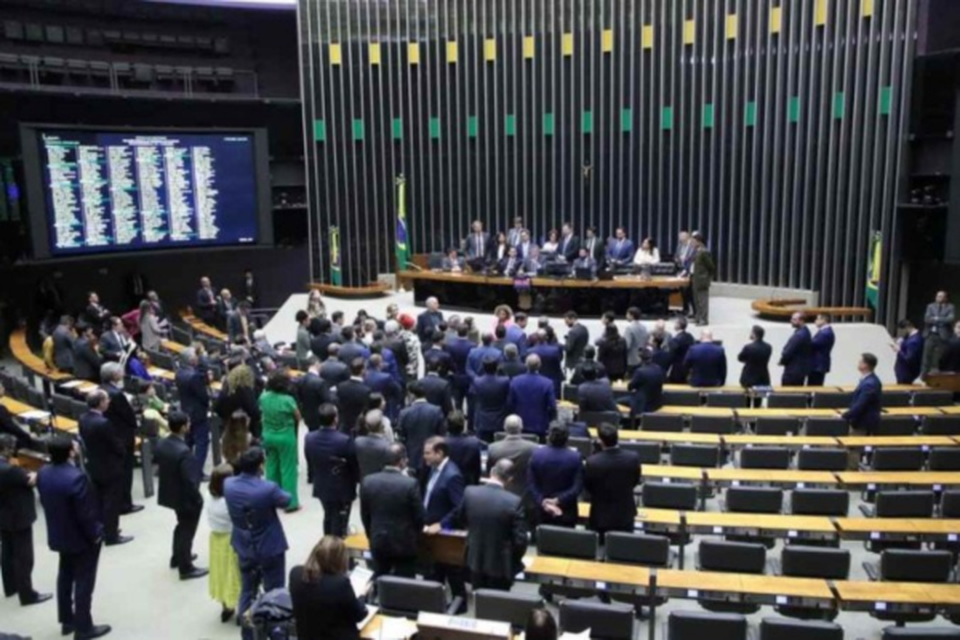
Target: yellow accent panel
[[646, 36], [529, 47], [453, 52], [689, 31], [336, 54], [374, 53], [489, 49], [866, 9], [733, 25], [606, 41], [413, 52], [820, 16], [566, 44], [776, 20]]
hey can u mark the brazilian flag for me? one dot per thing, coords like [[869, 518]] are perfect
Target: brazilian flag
[[873, 270], [336, 276], [403, 246]]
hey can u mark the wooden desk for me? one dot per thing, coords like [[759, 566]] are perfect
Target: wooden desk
[[719, 412], [721, 522], [61, 423], [923, 529], [668, 473], [953, 410], [31, 361], [767, 589], [548, 568], [666, 436], [887, 596], [888, 387], [173, 347], [372, 629], [200, 326], [744, 440], [874, 442], [572, 406], [872, 479], [447, 547], [605, 575], [780, 477], [665, 518], [913, 411], [753, 414]]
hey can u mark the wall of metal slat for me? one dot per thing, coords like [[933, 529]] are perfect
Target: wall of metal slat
[[774, 126]]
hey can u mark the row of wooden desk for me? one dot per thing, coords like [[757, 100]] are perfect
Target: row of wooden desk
[[740, 440], [792, 389], [753, 414], [789, 478]]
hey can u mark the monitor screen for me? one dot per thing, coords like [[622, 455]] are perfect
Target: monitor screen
[[134, 190]]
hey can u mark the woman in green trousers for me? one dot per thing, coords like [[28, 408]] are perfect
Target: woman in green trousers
[[280, 417]]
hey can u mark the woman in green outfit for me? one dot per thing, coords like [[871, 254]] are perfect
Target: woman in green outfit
[[280, 419]]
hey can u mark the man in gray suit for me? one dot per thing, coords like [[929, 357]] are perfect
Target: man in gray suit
[[937, 322], [637, 337], [63, 339], [515, 449]]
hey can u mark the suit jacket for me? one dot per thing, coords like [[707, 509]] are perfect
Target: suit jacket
[[179, 477], [63, 340], [938, 320], [515, 335], [452, 265], [755, 357], [704, 269], [612, 354], [418, 423], [569, 247], [518, 451], [104, 447], [797, 355], [350, 351], [610, 476], [596, 395], [121, 415], [392, 513], [427, 323], [598, 252], [509, 266], [576, 341], [637, 337], [647, 387], [194, 394], [243, 398], [707, 363], [86, 362], [438, 392], [490, 396], [556, 472], [619, 250], [327, 609], [551, 363], [9, 425], [447, 493], [235, 324], [477, 248], [865, 407], [950, 360], [496, 531], [511, 368], [476, 357], [532, 397], [383, 383], [399, 349], [466, 451], [353, 398], [206, 305], [334, 372], [459, 350], [18, 509], [73, 519], [372, 453], [112, 345], [312, 391], [822, 345], [253, 502], [678, 347], [909, 359], [331, 455], [683, 255]]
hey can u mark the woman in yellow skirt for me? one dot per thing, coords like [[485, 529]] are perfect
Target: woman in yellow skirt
[[224, 565]]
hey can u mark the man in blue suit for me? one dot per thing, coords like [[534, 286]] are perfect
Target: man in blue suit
[[490, 394], [909, 350], [465, 449], [532, 397], [619, 248], [797, 355], [333, 459], [707, 362], [437, 389], [555, 479], [442, 487], [75, 532], [418, 423], [516, 334], [383, 383], [677, 349], [646, 385], [551, 359], [865, 406], [480, 353], [459, 349], [192, 383], [257, 536], [593, 395], [428, 322], [822, 346]]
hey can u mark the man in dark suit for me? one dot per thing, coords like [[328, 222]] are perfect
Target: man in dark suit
[[95, 313], [595, 395], [517, 450], [707, 362], [594, 246], [206, 301], [392, 513], [821, 346], [353, 397], [459, 349], [428, 322], [418, 423], [646, 385], [677, 347], [909, 350], [555, 479], [619, 248], [115, 341], [464, 449], [484, 351], [372, 449], [569, 244], [74, 531], [180, 490], [511, 366], [86, 360], [610, 476], [510, 264], [576, 341], [477, 245], [312, 392], [321, 337], [332, 370], [937, 320], [351, 348], [532, 397], [63, 339], [18, 512], [238, 324], [442, 485], [192, 384], [437, 390], [123, 421], [755, 357], [866, 404], [551, 359], [797, 355], [950, 360], [435, 357], [386, 385], [702, 272], [106, 456], [490, 394], [257, 536], [331, 455]]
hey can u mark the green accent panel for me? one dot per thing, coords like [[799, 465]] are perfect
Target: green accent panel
[[708, 116], [586, 122], [397, 129], [626, 120], [793, 109], [473, 126], [750, 115], [549, 124], [319, 131], [357, 129], [886, 100], [666, 118], [435, 128], [510, 125], [839, 105]]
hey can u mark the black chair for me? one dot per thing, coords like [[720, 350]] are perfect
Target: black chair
[[648, 452], [941, 426], [637, 548], [695, 455], [901, 504], [662, 495], [831, 400], [584, 446], [182, 335], [730, 400], [787, 401], [897, 426], [713, 424], [569, 392], [923, 633], [897, 459], [504, 606], [735, 557], [820, 502], [822, 459], [806, 561], [897, 398], [781, 629], [697, 625], [932, 398], [567, 543], [944, 459], [681, 398], [661, 422], [776, 426], [408, 597], [62, 405], [830, 427], [908, 565], [605, 621], [754, 500], [765, 458], [950, 504], [34, 397], [596, 418]]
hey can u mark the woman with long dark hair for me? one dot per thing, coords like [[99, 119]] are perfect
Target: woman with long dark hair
[[324, 604]]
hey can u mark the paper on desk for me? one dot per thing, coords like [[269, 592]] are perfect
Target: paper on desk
[[35, 414], [371, 611], [360, 579], [396, 629], [583, 635], [73, 384]]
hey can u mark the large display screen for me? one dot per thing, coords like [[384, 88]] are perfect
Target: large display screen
[[106, 191]]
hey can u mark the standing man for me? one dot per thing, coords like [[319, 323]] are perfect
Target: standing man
[[594, 246], [909, 350], [610, 476], [392, 513], [18, 512], [353, 396], [490, 393], [442, 487], [555, 479], [576, 341], [63, 338], [74, 532], [418, 423], [180, 490], [937, 320], [114, 343], [86, 360], [195, 402], [620, 248], [636, 336], [532, 397], [866, 404], [206, 302], [646, 385], [466, 450], [702, 272], [569, 243], [707, 362], [755, 357], [822, 346], [436, 389], [515, 448], [106, 459], [516, 232], [677, 348], [312, 392], [459, 349], [428, 322], [683, 257], [331, 455], [123, 421], [257, 535], [304, 339], [477, 245], [797, 355], [949, 361]]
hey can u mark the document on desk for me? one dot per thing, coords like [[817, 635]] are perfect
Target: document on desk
[[73, 384], [36, 414], [360, 579], [371, 611], [396, 628]]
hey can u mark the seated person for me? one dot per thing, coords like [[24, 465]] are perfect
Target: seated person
[[647, 254], [452, 262], [500, 249], [619, 249], [552, 245], [585, 262], [532, 264], [510, 264], [594, 395], [589, 360], [324, 602]]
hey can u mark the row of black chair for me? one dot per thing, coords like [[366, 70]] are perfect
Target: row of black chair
[[58, 34], [829, 427]]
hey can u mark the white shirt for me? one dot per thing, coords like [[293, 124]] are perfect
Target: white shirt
[[643, 256], [218, 516], [432, 482]]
